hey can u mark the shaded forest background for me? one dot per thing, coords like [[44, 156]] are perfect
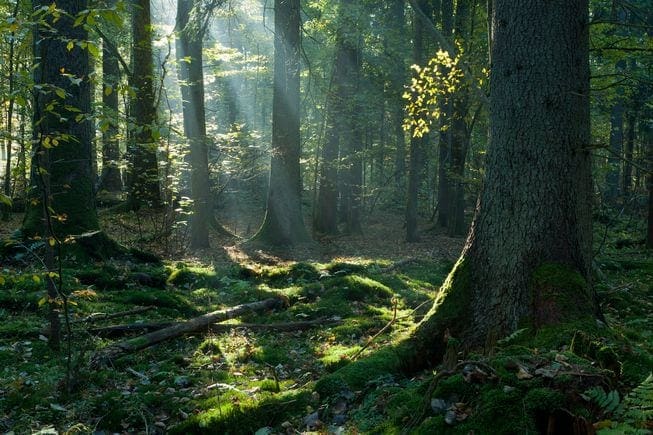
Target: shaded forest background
[[311, 169]]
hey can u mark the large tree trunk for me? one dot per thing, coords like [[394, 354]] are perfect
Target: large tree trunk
[[144, 187], [191, 82], [527, 257], [284, 223], [61, 162]]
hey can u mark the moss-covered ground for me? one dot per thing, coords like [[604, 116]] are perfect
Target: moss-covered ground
[[261, 381]]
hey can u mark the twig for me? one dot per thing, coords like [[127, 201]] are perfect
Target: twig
[[388, 325]]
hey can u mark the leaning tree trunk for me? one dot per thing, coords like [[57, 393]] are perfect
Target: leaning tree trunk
[[191, 82], [527, 257], [284, 224]]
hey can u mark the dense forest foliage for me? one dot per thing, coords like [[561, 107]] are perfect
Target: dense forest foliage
[[289, 216]]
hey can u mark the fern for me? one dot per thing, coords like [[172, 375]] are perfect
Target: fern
[[635, 413], [638, 404], [608, 402]]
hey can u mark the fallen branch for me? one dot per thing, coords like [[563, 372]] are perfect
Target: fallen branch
[[96, 317], [116, 350], [118, 330]]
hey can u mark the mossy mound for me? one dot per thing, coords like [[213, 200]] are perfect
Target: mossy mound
[[239, 414], [193, 277]]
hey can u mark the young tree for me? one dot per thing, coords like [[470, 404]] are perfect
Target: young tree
[[527, 256], [283, 224]]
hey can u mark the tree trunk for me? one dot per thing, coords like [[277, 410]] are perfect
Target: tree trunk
[[616, 143], [191, 81], [646, 129], [460, 134], [631, 122], [284, 224], [62, 131], [527, 257], [144, 187], [110, 179], [417, 144], [446, 139], [6, 210]]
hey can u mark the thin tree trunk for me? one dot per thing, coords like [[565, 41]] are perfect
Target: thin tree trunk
[[6, 210], [110, 179], [631, 122], [191, 80]]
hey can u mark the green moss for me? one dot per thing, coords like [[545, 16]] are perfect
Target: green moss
[[244, 415], [355, 375], [560, 294], [195, 277], [543, 399]]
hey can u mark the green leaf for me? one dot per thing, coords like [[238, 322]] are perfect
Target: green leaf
[[4, 199], [60, 93]]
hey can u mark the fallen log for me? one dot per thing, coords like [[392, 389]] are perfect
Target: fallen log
[[119, 330], [116, 350]]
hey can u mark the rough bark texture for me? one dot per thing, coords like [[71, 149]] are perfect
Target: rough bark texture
[[284, 224], [191, 81], [144, 175], [527, 257], [63, 131], [110, 179]]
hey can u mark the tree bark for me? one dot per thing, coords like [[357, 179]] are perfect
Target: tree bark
[[62, 132], [144, 189], [616, 143], [284, 224], [527, 257], [191, 82]]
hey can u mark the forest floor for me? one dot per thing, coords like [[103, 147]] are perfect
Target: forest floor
[[363, 294]]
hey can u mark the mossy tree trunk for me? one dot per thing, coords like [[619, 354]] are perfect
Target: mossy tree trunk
[[191, 82], [284, 224], [144, 189], [527, 258], [61, 163]]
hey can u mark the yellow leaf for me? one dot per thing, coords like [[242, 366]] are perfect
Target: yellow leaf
[[2, 280], [52, 241], [70, 45], [36, 279], [42, 301]]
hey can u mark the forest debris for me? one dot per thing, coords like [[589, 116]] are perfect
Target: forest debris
[[118, 330], [116, 350]]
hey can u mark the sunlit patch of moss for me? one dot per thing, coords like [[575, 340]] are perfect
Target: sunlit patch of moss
[[194, 277], [239, 414]]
